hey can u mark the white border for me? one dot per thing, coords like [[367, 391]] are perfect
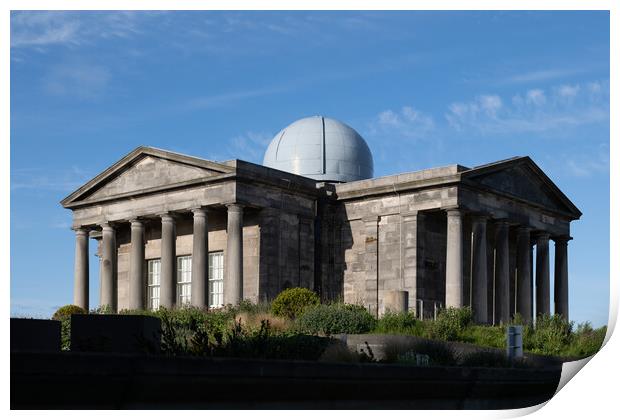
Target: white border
[[591, 394]]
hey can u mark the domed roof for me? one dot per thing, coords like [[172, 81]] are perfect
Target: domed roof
[[320, 148]]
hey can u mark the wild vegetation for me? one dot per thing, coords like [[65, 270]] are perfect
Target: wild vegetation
[[296, 326]]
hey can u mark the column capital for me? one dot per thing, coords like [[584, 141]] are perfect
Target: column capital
[[234, 208], [109, 226], [543, 236], [137, 222], [199, 211], [167, 217], [454, 211], [80, 230], [501, 222], [561, 239]]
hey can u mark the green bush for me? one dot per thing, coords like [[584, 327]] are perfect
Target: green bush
[[586, 340], [67, 311], [450, 323], [399, 323], [550, 335], [339, 318], [293, 302], [490, 336], [63, 314]]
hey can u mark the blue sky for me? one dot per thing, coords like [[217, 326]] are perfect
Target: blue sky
[[423, 88]]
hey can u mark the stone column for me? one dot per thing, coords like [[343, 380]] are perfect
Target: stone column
[[108, 267], [200, 260], [479, 269], [412, 254], [560, 290], [80, 286], [233, 285], [524, 300], [371, 267], [454, 259], [136, 266], [502, 273], [543, 288], [167, 288]]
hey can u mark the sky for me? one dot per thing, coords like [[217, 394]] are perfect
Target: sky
[[423, 88]]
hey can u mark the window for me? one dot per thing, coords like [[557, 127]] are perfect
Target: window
[[184, 280], [154, 275], [216, 279]]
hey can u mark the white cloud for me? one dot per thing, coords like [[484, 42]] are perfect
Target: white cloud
[[407, 123], [567, 91], [536, 97], [530, 111], [490, 103]]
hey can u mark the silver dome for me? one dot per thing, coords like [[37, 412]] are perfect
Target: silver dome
[[320, 148]]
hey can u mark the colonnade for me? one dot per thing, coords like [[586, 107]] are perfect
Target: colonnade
[[523, 279], [233, 284]]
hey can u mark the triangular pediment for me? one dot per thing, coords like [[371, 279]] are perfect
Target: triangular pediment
[[145, 169], [521, 178]]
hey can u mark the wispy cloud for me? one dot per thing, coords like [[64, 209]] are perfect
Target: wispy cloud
[[250, 146], [42, 179], [408, 123], [532, 111], [585, 166], [227, 98], [40, 29], [540, 75], [83, 81]]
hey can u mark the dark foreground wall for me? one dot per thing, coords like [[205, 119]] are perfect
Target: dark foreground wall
[[97, 380]]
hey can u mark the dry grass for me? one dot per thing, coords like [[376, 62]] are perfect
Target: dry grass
[[253, 321]]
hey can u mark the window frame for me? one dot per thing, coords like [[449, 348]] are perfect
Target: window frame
[[187, 282], [212, 279], [150, 286]]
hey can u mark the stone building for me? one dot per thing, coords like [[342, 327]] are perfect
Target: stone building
[[176, 230]]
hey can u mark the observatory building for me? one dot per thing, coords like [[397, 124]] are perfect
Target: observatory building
[[173, 230]]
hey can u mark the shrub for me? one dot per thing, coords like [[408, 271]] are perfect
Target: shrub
[[63, 314], [336, 319], [490, 336], [253, 321], [291, 303], [248, 307], [586, 340], [550, 335], [399, 323], [67, 311], [450, 323]]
